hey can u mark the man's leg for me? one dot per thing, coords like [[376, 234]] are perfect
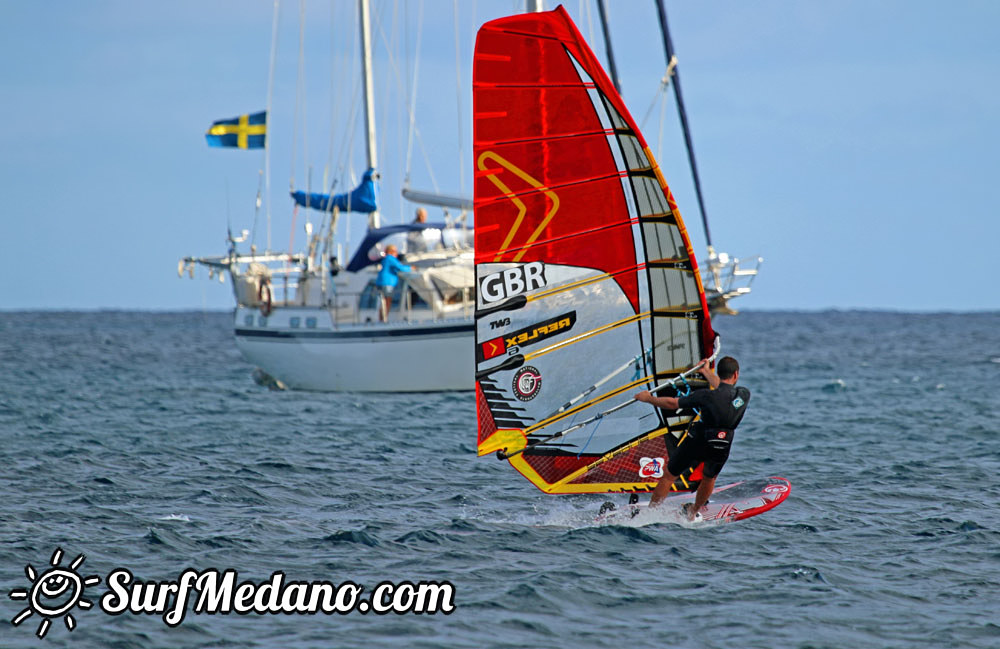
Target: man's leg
[[705, 489], [385, 303], [662, 488]]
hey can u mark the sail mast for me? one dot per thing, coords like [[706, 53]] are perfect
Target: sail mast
[[669, 50], [366, 64]]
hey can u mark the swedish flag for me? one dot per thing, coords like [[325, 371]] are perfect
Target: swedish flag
[[245, 131]]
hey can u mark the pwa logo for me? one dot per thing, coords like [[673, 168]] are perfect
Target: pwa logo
[[651, 467], [512, 281]]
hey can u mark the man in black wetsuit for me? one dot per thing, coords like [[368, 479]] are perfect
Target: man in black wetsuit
[[708, 439]]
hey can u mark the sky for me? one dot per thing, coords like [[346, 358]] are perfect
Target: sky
[[853, 145]]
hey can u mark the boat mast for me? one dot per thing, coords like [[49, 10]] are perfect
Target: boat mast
[[366, 74], [267, 119], [602, 9], [672, 71]]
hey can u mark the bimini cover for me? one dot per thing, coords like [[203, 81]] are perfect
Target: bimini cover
[[587, 286], [361, 199], [361, 258]]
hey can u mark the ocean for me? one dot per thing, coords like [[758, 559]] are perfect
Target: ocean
[[140, 441]]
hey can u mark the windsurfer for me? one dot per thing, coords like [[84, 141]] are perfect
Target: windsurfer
[[388, 277], [709, 439]]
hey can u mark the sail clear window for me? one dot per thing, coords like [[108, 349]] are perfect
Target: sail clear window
[[663, 241]]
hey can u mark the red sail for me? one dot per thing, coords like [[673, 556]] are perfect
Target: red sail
[[583, 265]]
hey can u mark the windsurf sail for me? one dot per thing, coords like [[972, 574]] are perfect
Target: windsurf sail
[[587, 287]]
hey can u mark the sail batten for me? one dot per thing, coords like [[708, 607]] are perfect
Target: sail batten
[[587, 286]]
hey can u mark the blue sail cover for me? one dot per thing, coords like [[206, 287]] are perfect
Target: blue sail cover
[[362, 199]]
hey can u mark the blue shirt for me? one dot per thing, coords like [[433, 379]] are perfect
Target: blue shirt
[[389, 274]]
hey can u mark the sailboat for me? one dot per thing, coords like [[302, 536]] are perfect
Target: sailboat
[[588, 287], [314, 320]]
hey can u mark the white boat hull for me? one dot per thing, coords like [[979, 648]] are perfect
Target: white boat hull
[[374, 357]]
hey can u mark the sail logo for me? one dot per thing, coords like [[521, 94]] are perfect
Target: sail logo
[[651, 467], [527, 214], [512, 281], [530, 335], [527, 383], [539, 332], [491, 349]]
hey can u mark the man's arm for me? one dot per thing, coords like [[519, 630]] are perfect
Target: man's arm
[[400, 267], [710, 376], [669, 403]]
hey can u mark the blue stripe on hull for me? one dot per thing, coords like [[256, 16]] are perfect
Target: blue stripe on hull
[[414, 332]]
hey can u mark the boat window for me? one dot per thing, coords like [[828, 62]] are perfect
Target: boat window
[[369, 297], [310, 323], [248, 320], [398, 240], [422, 241], [295, 322], [449, 293], [457, 238], [416, 302]]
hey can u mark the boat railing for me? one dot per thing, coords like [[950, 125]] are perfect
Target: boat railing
[[729, 277], [408, 305], [280, 280], [366, 307]]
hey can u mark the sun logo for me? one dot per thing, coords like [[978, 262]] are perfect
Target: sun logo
[[54, 593]]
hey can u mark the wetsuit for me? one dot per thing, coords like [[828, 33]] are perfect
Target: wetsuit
[[710, 439]]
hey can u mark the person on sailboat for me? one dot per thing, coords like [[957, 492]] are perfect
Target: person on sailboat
[[388, 278], [415, 240], [709, 439]]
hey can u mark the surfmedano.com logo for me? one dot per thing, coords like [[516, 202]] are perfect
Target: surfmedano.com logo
[[55, 592]]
